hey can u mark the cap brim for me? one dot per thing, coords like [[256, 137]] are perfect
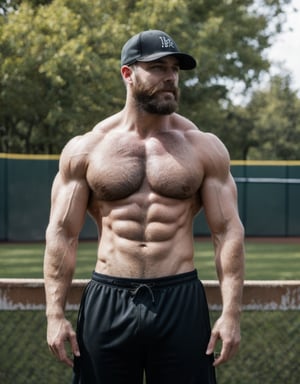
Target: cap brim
[[185, 61]]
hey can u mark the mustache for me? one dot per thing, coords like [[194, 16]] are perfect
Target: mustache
[[165, 88]]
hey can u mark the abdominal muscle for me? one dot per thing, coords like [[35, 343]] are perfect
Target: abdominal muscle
[[145, 236]]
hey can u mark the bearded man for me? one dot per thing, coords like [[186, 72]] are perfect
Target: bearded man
[[143, 174]]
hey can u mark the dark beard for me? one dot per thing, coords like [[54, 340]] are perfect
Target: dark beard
[[151, 101]]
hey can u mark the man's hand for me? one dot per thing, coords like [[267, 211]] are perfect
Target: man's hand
[[60, 331], [226, 329]]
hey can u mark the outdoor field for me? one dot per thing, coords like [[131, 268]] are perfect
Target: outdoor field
[[270, 348], [266, 259]]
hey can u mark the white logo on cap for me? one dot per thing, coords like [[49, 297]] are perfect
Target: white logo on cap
[[166, 43]]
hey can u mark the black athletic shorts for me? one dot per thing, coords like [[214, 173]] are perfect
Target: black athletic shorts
[[129, 329]]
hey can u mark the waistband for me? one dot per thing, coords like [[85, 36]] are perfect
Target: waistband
[[159, 282]]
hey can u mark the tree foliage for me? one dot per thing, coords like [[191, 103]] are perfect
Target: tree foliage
[[275, 113], [268, 127], [59, 63]]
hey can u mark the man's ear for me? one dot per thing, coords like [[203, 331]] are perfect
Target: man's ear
[[126, 73]]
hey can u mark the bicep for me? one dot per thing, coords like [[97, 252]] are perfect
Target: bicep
[[218, 189], [219, 197], [69, 199]]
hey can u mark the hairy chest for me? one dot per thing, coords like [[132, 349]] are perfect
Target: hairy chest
[[119, 168]]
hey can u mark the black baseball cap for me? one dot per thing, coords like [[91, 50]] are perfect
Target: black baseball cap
[[152, 45]]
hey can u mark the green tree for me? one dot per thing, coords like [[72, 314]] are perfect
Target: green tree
[[275, 113], [59, 61], [55, 75], [237, 132], [7, 6]]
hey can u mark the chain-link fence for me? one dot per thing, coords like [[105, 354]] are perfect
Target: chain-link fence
[[269, 352]]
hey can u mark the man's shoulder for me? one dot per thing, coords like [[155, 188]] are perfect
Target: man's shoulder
[[79, 145], [210, 148], [183, 123], [75, 155], [107, 124], [192, 129]]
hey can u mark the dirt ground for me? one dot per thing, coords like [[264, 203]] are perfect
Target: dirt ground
[[277, 240]]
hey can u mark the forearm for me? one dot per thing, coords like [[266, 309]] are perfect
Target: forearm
[[229, 251], [59, 266], [230, 269]]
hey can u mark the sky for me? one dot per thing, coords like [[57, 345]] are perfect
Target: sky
[[286, 49], [284, 53]]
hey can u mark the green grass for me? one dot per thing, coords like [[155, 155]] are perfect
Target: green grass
[[264, 260], [269, 351]]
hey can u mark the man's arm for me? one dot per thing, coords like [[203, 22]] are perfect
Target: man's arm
[[68, 208], [219, 198]]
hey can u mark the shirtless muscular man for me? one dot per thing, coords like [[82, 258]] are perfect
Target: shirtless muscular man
[[143, 174]]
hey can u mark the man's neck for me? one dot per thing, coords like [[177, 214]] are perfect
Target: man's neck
[[144, 123]]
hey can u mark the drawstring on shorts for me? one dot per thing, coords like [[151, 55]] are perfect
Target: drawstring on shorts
[[138, 287], [134, 286]]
